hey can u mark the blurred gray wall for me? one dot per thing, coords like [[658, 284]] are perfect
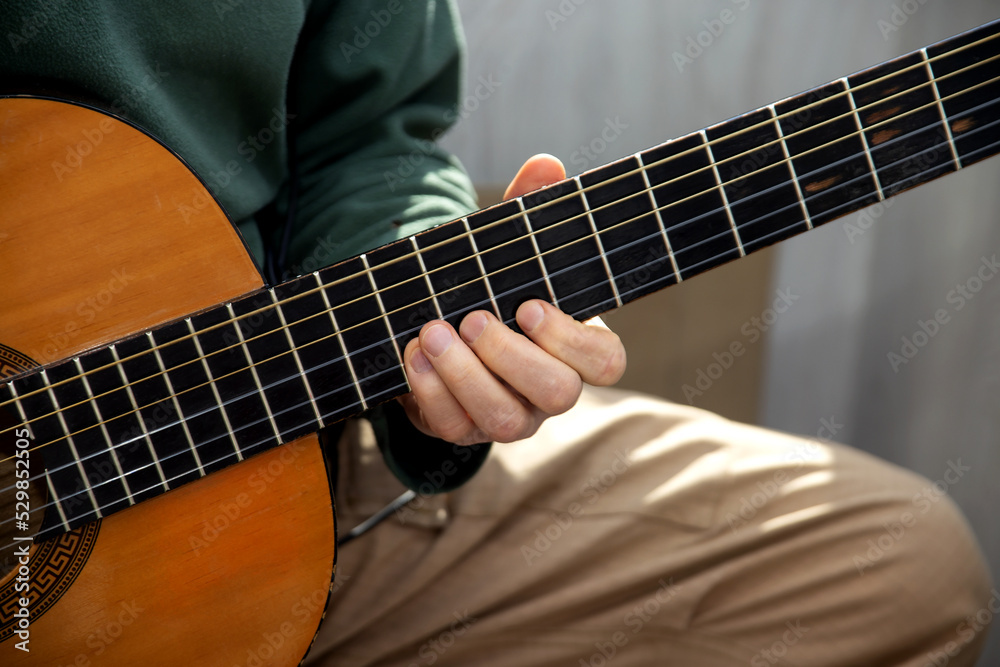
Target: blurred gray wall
[[553, 75]]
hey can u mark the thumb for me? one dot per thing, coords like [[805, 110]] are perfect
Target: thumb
[[540, 170]]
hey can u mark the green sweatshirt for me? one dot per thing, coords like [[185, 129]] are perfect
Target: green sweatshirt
[[357, 91]]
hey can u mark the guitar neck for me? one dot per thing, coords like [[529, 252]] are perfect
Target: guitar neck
[[186, 399]]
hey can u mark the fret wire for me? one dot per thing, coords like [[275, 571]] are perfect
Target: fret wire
[[69, 441], [765, 191], [253, 372], [295, 355], [791, 166], [600, 244], [177, 405], [709, 260], [104, 430], [401, 386], [911, 111], [722, 192], [942, 55], [940, 105], [482, 268], [215, 390], [427, 276], [57, 501], [864, 139], [20, 409], [659, 220], [138, 416], [538, 251], [340, 339], [381, 308]]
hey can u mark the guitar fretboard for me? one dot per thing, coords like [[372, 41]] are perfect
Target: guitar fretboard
[[128, 422]]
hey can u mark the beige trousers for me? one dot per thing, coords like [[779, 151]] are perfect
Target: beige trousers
[[631, 531]]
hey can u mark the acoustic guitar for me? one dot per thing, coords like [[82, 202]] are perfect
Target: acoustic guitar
[[161, 477]]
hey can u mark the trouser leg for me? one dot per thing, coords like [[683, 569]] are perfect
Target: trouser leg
[[643, 532]]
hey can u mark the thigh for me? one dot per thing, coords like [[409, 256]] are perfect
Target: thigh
[[647, 532]]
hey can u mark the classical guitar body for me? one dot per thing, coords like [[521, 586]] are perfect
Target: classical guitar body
[[105, 233]]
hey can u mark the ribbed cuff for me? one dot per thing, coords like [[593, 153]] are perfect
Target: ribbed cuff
[[425, 464]]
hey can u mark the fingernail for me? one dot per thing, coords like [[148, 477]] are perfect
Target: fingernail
[[530, 315], [419, 362], [436, 340], [473, 326]]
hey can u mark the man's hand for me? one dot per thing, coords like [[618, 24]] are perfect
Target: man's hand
[[485, 381]]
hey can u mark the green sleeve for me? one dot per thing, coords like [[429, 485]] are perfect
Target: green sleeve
[[374, 84]]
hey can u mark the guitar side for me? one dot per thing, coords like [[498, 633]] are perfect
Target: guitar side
[[105, 233]]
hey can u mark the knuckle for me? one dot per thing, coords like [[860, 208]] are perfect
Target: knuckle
[[508, 425], [452, 429], [613, 368], [497, 344], [474, 437], [561, 393], [460, 375], [457, 433], [578, 338]]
